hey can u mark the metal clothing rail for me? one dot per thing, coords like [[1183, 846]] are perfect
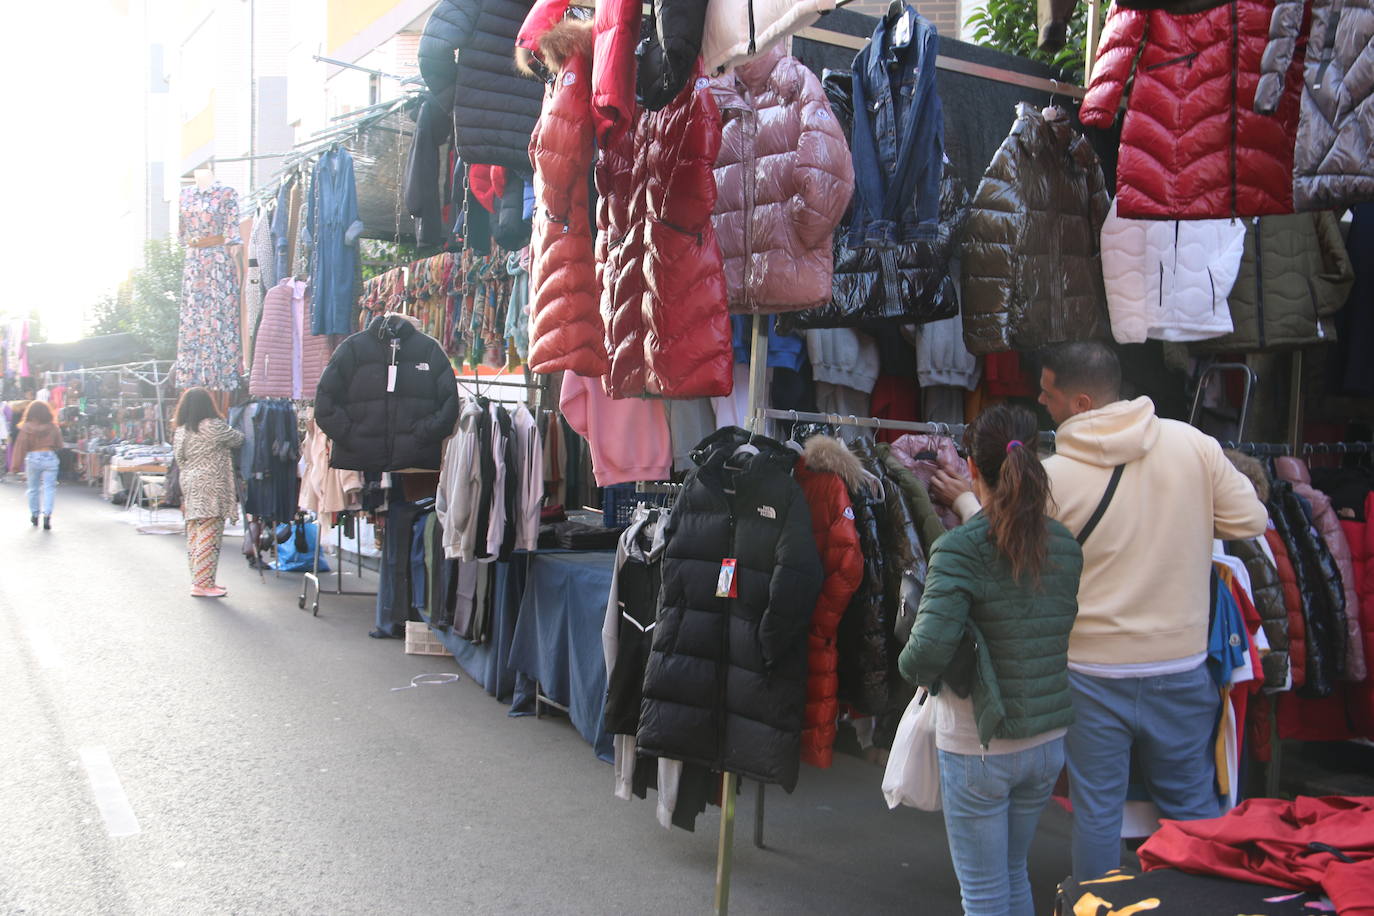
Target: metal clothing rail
[[313, 577], [949, 430]]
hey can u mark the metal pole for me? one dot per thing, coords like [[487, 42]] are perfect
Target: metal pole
[[1295, 401], [725, 854], [1090, 41]]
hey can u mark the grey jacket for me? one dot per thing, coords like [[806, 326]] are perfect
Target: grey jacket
[[1333, 163], [843, 356]]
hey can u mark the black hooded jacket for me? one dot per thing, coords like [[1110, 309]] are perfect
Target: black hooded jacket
[[1319, 583], [725, 685], [668, 57], [374, 429]]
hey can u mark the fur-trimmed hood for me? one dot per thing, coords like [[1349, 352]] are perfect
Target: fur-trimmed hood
[[566, 39], [826, 454], [1252, 468]]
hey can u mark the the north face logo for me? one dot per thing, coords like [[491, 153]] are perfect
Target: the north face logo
[[768, 512]]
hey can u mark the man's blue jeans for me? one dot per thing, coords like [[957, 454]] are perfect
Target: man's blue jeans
[[1170, 721], [991, 805], [41, 471]]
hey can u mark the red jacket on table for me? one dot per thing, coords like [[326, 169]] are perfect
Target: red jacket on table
[[1192, 146], [565, 321], [826, 472]]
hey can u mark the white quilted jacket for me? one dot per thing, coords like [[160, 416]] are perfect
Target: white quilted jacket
[[730, 24], [1169, 279]]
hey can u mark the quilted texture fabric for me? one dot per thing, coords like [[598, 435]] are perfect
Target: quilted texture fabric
[[739, 30], [1333, 162], [1292, 602], [1169, 279], [783, 179], [565, 319], [616, 27], [1294, 275], [1032, 271], [1192, 146]]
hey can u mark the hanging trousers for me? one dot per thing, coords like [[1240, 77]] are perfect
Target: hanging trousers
[[203, 537]]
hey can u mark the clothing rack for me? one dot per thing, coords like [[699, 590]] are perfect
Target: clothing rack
[[1283, 449], [949, 430], [313, 577]]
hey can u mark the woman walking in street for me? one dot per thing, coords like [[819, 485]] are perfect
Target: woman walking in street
[[991, 642], [203, 447], [35, 451]]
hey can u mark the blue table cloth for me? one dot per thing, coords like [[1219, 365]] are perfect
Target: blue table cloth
[[557, 637], [488, 663]]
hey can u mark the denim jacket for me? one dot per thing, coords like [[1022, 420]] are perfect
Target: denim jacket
[[898, 141]]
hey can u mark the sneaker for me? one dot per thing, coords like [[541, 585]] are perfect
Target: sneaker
[[47, 523], [213, 592]]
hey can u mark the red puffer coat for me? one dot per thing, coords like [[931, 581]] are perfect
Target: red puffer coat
[[1192, 147], [565, 323], [613, 69], [826, 472], [1292, 599], [667, 330]]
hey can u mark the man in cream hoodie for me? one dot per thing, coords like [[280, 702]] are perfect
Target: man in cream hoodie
[[1138, 647]]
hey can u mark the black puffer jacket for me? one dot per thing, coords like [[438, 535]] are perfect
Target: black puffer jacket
[[865, 662], [1268, 594], [912, 282], [433, 125], [374, 429], [1325, 636], [667, 57], [494, 109], [509, 228], [725, 686]]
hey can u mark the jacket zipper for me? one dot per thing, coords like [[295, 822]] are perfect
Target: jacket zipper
[[1235, 77], [1175, 60], [555, 219], [750, 190], [1259, 283], [699, 236], [723, 669], [1316, 312], [1212, 283]]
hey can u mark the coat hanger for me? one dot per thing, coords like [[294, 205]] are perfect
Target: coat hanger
[[1052, 111]]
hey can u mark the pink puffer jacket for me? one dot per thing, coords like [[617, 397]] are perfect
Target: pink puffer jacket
[[784, 178], [1295, 472], [283, 342], [923, 455]]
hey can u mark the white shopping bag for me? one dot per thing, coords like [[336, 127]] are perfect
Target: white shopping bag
[[913, 769]]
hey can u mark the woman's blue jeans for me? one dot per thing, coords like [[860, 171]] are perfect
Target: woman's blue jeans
[[41, 468], [992, 805]]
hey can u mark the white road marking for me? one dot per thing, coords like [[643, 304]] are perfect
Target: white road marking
[[44, 649], [109, 794]]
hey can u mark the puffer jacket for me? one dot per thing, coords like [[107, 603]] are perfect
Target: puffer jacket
[[906, 560], [616, 27], [1192, 147], [510, 227], [565, 321], [668, 57], [826, 473], [923, 455], [1292, 603], [1322, 596], [1294, 276], [739, 30], [380, 427], [725, 686], [1169, 279], [929, 527], [862, 640], [1020, 635], [1333, 163], [284, 343], [1268, 594], [662, 277], [1294, 470], [783, 180], [494, 109], [911, 281], [1032, 271]]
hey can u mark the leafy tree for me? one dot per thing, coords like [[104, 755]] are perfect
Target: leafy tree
[[1009, 25], [148, 304]]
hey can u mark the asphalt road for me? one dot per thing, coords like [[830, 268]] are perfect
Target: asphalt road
[[161, 754]]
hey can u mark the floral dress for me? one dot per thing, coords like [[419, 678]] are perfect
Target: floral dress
[[209, 349]]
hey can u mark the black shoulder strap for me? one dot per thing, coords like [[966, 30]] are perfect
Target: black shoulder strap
[[1101, 509]]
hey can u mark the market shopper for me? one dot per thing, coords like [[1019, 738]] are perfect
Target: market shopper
[[991, 642], [35, 451], [1138, 649], [203, 446]]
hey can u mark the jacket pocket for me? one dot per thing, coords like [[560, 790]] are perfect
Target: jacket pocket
[[1181, 59], [699, 236]]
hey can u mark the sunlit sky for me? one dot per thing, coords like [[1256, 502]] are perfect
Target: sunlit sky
[[70, 150]]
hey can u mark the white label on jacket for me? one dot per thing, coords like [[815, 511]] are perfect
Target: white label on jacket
[[422, 367], [391, 378], [569, 78], [849, 512], [768, 512], [702, 83]]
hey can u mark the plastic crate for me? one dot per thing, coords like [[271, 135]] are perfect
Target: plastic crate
[[421, 640], [618, 503]]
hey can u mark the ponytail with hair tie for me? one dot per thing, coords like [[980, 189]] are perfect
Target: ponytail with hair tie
[[1018, 487]]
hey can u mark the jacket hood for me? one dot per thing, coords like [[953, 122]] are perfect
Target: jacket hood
[[633, 539], [825, 454], [1251, 468], [552, 37], [385, 327], [1111, 435], [721, 445]]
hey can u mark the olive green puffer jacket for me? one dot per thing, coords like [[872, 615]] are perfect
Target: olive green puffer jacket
[[1020, 633]]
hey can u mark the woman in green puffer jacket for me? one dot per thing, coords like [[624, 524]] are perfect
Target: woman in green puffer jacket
[[993, 632]]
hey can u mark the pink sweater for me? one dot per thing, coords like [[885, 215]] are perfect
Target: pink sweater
[[628, 438]]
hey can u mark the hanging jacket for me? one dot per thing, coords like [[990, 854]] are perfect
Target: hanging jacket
[[725, 685], [861, 642], [566, 332], [668, 57], [1268, 593], [929, 527], [510, 226], [382, 426], [738, 31], [783, 180], [1032, 271], [616, 33], [433, 127], [842, 356], [911, 280], [924, 454], [1333, 163], [826, 473], [1292, 603], [1169, 279], [1294, 470], [1294, 276], [1192, 147], [662, 277], [334, 228], [631, 613], [494, 109], [1319, 586], [905, 569], [288, 360]]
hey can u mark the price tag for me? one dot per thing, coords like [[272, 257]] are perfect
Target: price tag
[[726, 586], [390, 378]]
